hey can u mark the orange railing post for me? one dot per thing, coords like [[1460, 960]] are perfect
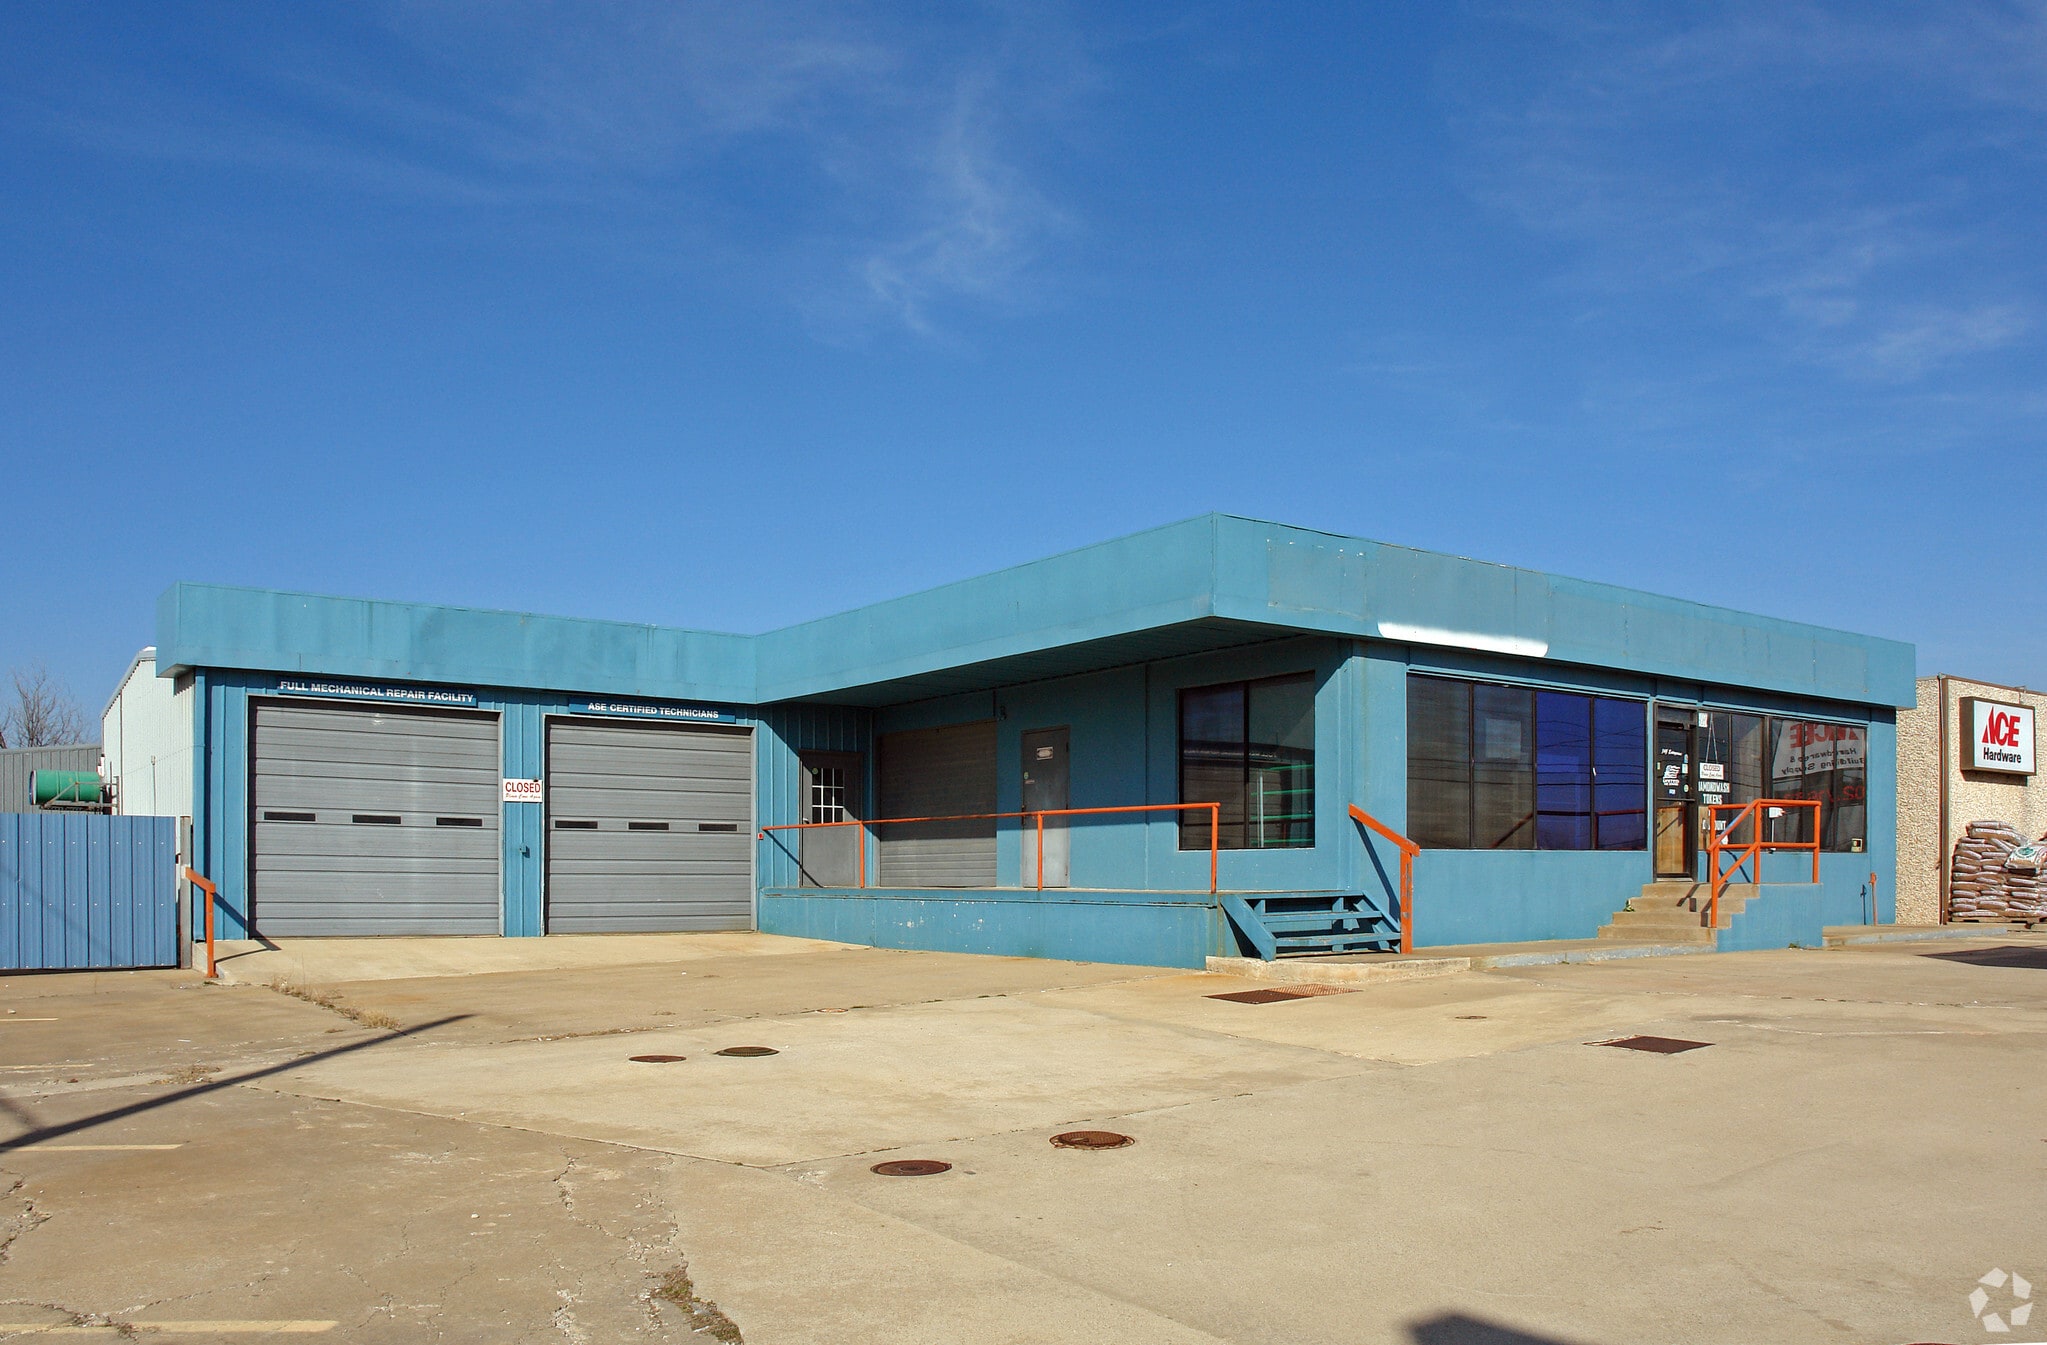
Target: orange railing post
[[1041, 852], [212, 963], [1040, 814], [1215, 848], [1755, 810], [1408, 850]]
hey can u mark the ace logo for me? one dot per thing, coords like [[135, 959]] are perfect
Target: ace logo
[[2000, 737], [2002, 730]]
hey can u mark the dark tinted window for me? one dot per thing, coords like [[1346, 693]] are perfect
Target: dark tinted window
[[1439, 774], [1496, 767], [1250, 747]]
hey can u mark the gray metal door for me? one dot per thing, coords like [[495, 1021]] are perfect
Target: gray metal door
[[938, 773], [829, 856], [650, 827], [1045, 785], [373, 820]]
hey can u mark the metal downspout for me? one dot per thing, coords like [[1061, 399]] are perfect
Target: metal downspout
[[1940, 842]]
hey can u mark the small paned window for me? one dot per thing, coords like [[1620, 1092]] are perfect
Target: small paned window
[[1249, 746], [827, 802], [1497, 767], [1826, 762]]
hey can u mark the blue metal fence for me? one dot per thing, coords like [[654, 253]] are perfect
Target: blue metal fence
[[81, 890]]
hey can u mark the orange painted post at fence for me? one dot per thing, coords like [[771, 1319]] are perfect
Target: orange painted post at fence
[[212, 966], [1214, 811], [1754, 813], [1408, 850]]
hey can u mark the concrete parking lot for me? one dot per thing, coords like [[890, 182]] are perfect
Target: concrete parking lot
[[451, 1143]]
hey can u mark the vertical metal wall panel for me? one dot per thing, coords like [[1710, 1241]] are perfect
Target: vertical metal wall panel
[[930, 773], [650, 827], [80, 890], [788, 732], [525, 842], [320, 769]]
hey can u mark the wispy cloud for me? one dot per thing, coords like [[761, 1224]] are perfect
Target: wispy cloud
[[859, 166], [1704, 156]]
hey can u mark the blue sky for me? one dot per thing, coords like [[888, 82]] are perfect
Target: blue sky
[[732, 315]]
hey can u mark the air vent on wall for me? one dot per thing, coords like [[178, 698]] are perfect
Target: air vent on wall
[[646, 826], [270, 815], [717, 826], [566, 824], [377, 819], [458, 821]]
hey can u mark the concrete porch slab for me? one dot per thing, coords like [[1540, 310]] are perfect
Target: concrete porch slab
[[1382, 968], [331, 960], [1840, 936]]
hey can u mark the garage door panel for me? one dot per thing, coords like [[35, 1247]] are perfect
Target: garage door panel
[[612, 877], [334, 875], [936, 773], [685, 808]]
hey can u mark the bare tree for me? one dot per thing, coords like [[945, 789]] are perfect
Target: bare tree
[[44, 714]]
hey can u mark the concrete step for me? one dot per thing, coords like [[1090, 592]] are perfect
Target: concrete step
[[1661, 915], [1655, 934]]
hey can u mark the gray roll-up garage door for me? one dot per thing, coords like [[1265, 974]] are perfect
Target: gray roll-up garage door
[[933, 773], [650, 827], [373, 821]]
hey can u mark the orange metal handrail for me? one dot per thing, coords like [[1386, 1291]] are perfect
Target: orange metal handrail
[[1214, 811], [1754, 849], [212, 966], [1408, 850]]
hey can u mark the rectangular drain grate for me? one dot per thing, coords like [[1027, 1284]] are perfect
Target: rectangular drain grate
[[1260, 996], [1659, 1045]]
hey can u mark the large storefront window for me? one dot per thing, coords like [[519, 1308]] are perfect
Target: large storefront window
[[1730, 768], [1827, 762], [1249, 746], [1495, 767]]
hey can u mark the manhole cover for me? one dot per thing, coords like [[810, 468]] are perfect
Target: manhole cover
[[1658, 1045], [1260, 996], [656, 1059], [910, 1167], [749, 1050], [1092, 1139]]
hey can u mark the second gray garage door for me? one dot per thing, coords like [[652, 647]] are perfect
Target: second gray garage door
[[650, 827]]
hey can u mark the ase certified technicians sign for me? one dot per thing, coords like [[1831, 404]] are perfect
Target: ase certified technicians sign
[[1997, 737]]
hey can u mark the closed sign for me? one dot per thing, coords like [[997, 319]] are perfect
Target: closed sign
[[522, 791], [1996, 736]]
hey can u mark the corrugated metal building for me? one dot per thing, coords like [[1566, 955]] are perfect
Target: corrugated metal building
[[17, 764], [1549, 744], [146, 736]]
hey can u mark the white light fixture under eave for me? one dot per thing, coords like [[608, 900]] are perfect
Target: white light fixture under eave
[[1519, 645]]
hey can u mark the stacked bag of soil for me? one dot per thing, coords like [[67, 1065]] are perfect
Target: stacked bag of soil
[[1996, 876]]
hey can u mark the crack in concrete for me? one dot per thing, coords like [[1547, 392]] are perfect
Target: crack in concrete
[[21, 1225]]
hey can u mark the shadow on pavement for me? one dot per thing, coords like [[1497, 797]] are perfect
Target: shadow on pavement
[[51, 1132], [2009, 955], [1457, 1329]]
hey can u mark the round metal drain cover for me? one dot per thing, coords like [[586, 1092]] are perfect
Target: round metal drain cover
[[910, 1167], [656, 1059], [749, 1051], [1092, 1139]]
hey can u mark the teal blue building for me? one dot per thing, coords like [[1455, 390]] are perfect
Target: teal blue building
[[368, 767]]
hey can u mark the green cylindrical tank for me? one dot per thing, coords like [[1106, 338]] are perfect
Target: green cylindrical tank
[[47, 787]]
